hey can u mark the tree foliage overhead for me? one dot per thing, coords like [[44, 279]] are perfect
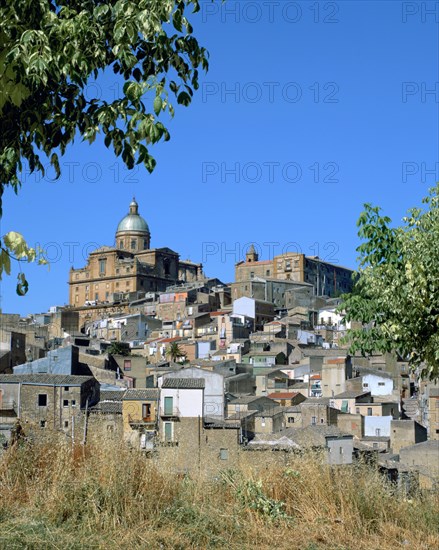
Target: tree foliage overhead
[[49, 50], [396, 293]]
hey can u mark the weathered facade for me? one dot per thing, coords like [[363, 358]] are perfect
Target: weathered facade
[[49, 400], [327, 279]]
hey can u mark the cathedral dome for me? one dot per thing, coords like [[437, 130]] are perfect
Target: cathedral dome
[[133, 221]]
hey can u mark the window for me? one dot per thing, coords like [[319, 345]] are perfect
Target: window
[[66, 423], [365, 385], [381, 384], [133, 244], [146, 411], [313, 420], [42, 423], [65, 403], [322, 421], [369, 411], [169, 405], [102, 267], [145, 244], [73, 403], [378, 432], [224, 454], [252, 274], [263, 422], [66, 388], [291, 419], [121, 243], [267, 272], [42, 400], [341, 450], [357, 410], [96, 296]]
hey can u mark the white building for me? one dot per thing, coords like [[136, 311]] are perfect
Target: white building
[[329, 317], [182, 397], [213, 389], [377, 426], [378, 384]]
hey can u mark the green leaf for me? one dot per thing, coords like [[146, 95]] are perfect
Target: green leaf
[[158, 104], [184, 98]]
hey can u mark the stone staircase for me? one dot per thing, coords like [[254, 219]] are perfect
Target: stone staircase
[[411, 409]]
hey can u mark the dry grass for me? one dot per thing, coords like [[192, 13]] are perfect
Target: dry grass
[[54, 497]]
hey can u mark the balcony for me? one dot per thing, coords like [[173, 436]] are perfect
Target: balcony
[[8, 406], [169, 412], [134, 420]]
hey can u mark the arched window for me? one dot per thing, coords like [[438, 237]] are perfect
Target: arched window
[[133, 244]]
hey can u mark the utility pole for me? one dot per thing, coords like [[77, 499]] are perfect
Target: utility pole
[[85, 423]]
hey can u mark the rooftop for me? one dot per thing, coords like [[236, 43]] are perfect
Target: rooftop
[[184, 383], [141, 394], [311, 436], [282, 395], [351, 394], [111, 395], [244, 399], [45, 379], [107, 407]]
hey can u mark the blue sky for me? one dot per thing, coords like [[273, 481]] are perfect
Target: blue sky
[[309, 109]]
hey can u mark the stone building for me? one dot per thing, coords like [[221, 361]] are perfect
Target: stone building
[[130, 266], [49, 400], [327, 278], [404, 433]]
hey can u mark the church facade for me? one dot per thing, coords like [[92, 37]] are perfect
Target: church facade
[[129, 267]]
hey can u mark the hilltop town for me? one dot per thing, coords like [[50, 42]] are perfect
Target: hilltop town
[[204, 375]]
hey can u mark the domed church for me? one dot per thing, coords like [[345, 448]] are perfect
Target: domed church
[[129, 267]]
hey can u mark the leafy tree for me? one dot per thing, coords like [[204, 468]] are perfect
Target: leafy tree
[[396, 293], [119, 348], [174, 351], [49, 49]]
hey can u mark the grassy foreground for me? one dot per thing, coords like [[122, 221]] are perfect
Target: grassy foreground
[[54, 497]]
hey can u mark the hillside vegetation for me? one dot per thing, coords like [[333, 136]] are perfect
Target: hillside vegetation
[[108, 496]]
